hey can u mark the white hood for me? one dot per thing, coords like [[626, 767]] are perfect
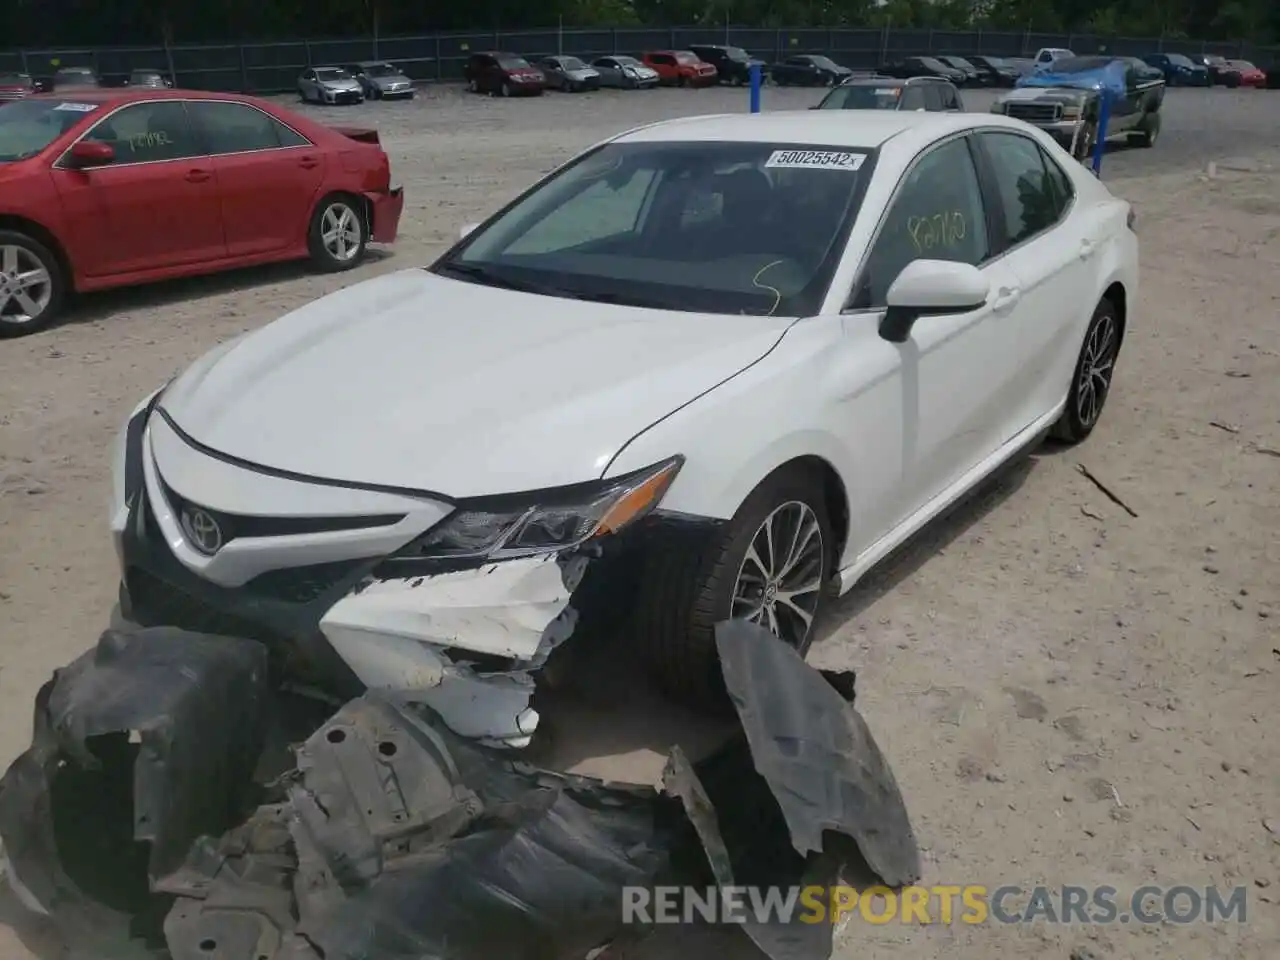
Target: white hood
[[418, 381]]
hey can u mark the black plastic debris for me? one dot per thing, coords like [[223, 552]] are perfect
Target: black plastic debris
[[140, 746], [392, 837]]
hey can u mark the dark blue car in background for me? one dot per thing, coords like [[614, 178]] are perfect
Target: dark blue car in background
[[1179, 71]]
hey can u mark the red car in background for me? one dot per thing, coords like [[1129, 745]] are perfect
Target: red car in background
[[1250, 76], [103, 188], [681, 68], [16, 86]]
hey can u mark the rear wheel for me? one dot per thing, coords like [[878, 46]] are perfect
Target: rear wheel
[[473, 85], [1091, 379], [32, 285], [1232, 81], [769, 564], [338, 238]]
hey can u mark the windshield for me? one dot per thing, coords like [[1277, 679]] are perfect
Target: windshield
[[960, 62], [14, 79], [736, 53], [572, 63], [996, 62], [28, 126], [824, 63], [332, 73], [380, 70], [1079, 64], [628, 62], [514, 63], [1179, 60], [1243, 64], [862, 97], [934, 64], [686, 58], [694, 226]]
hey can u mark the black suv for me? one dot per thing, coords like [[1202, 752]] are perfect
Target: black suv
[[733, 64], [890, 93]]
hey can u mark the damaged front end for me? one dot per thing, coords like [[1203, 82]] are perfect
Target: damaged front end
[[390, 835]]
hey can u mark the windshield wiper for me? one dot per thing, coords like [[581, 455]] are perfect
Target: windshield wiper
[[488, 277]]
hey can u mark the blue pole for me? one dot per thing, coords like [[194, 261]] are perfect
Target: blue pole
[[1104, 116], [757, 75]]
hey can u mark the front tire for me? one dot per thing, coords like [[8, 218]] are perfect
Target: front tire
[[473, 85], [685, 591], [1091, 379], [33, 285], [505, 89], [338, 237]]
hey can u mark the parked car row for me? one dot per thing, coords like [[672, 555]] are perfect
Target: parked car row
[[17, 85]]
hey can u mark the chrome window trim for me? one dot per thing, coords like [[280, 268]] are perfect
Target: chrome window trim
[[308, 145]]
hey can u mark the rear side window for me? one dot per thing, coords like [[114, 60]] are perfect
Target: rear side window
[[240, 128], [950, 99], [1027, 193], [1063, 189]]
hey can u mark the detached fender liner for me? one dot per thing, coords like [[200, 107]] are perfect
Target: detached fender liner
[[391, 837]]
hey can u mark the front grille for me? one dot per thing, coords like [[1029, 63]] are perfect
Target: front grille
[[1034, 112], [301, 584], [155, 603], [235, 525]]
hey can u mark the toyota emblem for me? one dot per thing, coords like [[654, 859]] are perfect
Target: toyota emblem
[[202, 531]]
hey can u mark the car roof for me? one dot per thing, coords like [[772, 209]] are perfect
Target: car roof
[[829, 127], [118, 96]]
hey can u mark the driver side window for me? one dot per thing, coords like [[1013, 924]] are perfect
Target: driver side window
[[937, 215], [599, 211]]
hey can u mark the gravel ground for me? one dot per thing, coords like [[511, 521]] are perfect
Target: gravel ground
[[1068, 693]]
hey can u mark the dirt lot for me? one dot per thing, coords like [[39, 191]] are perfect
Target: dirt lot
[[1069, 693]]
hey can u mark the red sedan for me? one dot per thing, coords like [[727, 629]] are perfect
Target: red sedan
[[105, 188], [1250, 76]]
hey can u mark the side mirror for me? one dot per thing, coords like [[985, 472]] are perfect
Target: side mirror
[[467, 230], [86, 154], [931, 288]]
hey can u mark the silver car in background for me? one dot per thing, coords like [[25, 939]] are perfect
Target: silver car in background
[[569, 74], [329, 85], [626, 73], [148, 79], [381, 80]]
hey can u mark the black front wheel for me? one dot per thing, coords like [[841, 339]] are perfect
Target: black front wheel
[[1091, 379], [769, 564]]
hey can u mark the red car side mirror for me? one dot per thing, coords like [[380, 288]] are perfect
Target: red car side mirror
[[91, 153]]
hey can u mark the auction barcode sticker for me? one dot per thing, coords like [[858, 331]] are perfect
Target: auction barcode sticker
[[77, 107], [815, 160]]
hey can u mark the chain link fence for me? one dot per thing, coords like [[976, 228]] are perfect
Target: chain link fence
[[274, 67]]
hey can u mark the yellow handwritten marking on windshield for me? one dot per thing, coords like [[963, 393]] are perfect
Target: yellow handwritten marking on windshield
[[156, 138], [937, 232], [777, 294]]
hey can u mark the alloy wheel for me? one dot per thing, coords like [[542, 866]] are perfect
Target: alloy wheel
[[26, 286], [780, 581], [1097, 363], [340, 232]]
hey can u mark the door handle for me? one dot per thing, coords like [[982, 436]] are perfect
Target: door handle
[[1087, 249], [1006, 299], [198, 176], [308, 163]]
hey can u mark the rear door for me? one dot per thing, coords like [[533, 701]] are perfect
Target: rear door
[[1052, 250], [269, 175], [156, 206]]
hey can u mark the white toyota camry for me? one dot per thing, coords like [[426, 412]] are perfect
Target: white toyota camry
[[713, 367]]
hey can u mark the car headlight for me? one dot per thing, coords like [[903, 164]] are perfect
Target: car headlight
[[547, 522], [1071, 111]]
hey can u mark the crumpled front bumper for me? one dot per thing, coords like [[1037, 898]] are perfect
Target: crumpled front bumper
[[133, 814]]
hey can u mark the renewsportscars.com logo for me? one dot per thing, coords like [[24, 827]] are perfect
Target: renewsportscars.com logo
[[969, 904]]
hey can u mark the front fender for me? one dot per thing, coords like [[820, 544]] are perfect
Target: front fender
[[793, 403]]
